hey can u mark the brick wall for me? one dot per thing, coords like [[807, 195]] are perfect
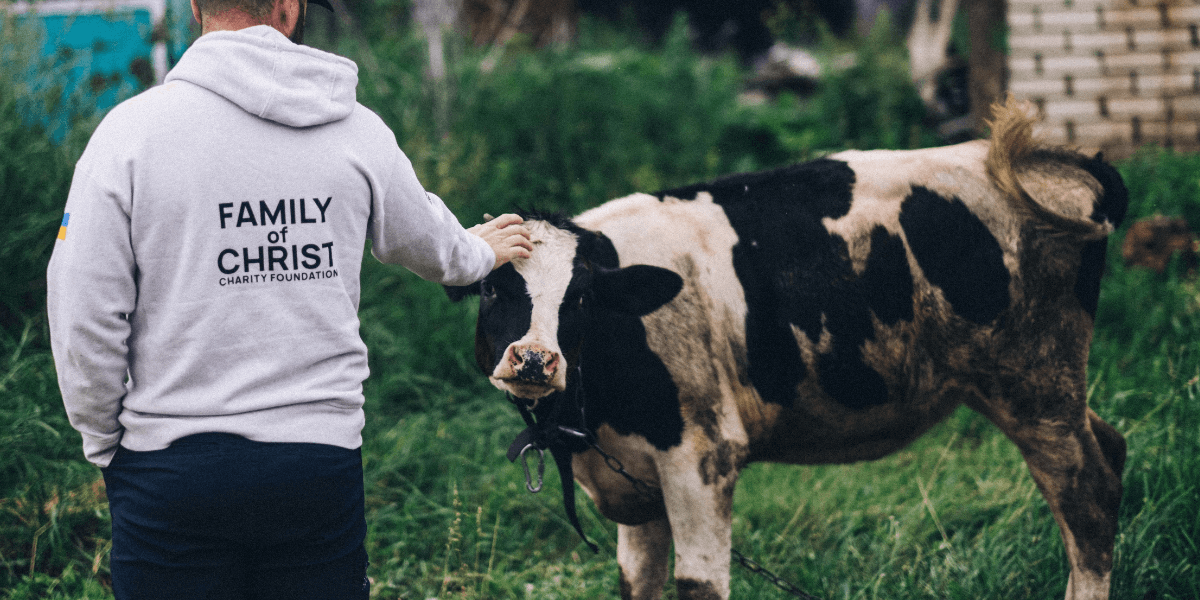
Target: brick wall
[[1109, 75]]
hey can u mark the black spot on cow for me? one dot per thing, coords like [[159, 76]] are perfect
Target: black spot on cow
[[626, 384], [505, 310], [821, 188], [795, 273], [884, 289], [957, 253], [1114, 202], [1091, 268], [720, 461], [691, 589], [625, 587], [887, 280], [1111, 206]]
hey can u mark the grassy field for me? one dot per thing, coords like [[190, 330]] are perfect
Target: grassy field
[[955, 515]]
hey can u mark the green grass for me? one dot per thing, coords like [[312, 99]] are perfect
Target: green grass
[[955, 515]]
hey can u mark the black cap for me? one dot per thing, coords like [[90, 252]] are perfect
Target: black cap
[[322, 3]]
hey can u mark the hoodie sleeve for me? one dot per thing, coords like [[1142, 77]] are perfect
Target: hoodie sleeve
[[90, 294], [415, 229]]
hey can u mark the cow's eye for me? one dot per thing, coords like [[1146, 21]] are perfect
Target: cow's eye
[[487, 290]]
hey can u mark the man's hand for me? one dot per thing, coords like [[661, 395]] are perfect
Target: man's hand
[[506, 235]]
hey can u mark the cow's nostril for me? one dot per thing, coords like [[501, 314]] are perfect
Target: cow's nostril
[[531, 364]]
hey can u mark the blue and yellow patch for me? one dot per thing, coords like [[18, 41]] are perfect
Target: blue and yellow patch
[[62, 230]]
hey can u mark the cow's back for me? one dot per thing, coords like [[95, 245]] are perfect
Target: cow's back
[[846, 304]]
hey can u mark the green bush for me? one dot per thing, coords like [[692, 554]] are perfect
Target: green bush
[[35, 175], [1164, 182], [568, 128], [561, 128]]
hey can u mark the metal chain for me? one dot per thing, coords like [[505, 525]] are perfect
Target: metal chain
[[640, 486], [762, 571], [652, 493]]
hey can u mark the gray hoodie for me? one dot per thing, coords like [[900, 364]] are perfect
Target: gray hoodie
[[206, 277]]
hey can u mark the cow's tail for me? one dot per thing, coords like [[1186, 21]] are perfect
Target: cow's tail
[[1014, 149]]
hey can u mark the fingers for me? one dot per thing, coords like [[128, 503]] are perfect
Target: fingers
[[514, 245], [509, 253], [506, 235], [520, 239], [503, 220], [510, 248]]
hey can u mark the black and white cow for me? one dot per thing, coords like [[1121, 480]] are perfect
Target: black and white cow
[[827, 312]]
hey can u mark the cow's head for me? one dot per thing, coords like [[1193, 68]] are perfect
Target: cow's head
[[534, 313]]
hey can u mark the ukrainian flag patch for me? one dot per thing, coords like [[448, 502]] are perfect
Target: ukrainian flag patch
[[62, 231]]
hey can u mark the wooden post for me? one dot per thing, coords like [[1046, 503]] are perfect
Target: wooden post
[[988, 58], [927, 43], [435, 16]]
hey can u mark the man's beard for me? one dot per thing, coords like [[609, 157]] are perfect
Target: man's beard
[[297, 36]]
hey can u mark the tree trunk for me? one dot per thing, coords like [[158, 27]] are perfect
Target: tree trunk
[[435, 16], [988, 59]]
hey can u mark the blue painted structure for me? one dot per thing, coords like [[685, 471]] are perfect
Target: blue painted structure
[[95, 53]]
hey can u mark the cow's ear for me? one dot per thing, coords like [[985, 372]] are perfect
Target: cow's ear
[[637, 289], [458, 292]]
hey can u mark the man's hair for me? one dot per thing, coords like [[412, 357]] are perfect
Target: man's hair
[[258, 9]]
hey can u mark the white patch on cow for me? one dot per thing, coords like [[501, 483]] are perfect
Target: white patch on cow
[[547, 273], [647, 231]]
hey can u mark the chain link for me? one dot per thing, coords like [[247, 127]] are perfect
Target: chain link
[[762, 571], [655, 494], [640, 486]]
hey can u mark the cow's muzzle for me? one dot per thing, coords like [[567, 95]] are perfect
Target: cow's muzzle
[[529, 371]]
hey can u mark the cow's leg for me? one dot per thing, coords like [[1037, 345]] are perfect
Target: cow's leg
[[698, 492], [642, 556], [1076, 460], [701, 524]]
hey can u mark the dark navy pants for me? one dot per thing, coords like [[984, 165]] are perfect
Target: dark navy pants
[[217, 516]]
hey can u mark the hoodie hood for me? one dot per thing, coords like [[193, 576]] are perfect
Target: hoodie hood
[[267, 75]]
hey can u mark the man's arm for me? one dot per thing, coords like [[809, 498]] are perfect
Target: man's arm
[[414, 228], [90, 294]]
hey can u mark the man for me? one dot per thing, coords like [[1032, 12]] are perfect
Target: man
[[203, 299]]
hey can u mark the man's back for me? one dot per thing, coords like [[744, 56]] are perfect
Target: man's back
[[246, 185]]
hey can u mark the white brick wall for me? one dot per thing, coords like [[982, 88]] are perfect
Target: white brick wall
[[1109, 75]]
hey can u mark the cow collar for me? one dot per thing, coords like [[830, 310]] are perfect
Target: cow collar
[[560, 426]]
